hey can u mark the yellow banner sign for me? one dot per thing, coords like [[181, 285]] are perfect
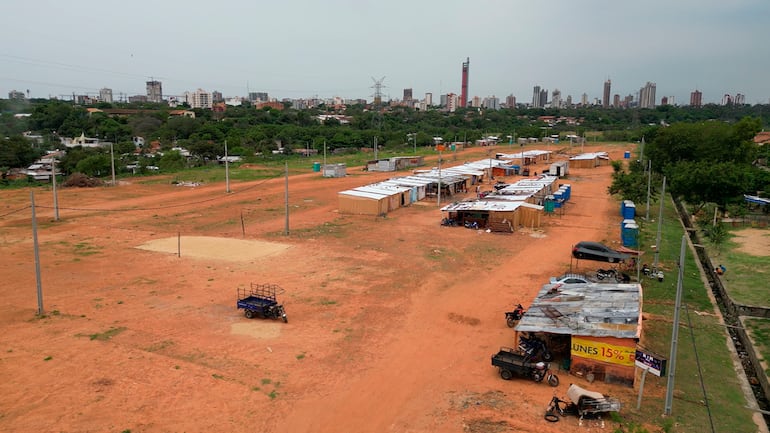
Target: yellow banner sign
[[599, 351]]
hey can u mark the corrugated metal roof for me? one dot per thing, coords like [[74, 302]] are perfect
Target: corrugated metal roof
[[599, 310], [592, 155], [363, 194], [480, 205]]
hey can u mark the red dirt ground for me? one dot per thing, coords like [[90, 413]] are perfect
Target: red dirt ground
[[392, 320]]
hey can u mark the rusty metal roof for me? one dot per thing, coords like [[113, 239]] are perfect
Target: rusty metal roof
[[598, 310]]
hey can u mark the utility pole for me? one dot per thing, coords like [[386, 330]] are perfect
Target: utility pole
[[286, 198], [660, 222], [112, 164], [439, 177], [375, 147], [227, 171], [55, 194], [649, 179], [675, 330], [324, 155], [40, 310]]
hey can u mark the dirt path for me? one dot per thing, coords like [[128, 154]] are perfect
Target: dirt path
[[391, 320]]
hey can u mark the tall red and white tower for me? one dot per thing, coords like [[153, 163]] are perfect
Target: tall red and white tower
[[464, 92]]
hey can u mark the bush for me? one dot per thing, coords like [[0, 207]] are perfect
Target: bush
[[80, 180]]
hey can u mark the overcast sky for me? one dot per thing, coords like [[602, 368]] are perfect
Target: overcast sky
[[303, 48]]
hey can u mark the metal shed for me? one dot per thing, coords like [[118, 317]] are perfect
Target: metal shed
[[603, 323], [362, 203]]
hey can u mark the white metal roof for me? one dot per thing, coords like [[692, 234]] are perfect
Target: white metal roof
[[482, 205], [363, 194], [592, 155]]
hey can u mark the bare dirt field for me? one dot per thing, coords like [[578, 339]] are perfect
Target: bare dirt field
[[755, 242], [391, 320]]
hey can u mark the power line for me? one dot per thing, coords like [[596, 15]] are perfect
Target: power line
[[14, 211]]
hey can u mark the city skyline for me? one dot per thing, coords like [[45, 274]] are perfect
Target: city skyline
[[300, 49]]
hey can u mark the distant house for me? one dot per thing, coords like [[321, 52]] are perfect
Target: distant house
[[82, 141], [762, 138], [181, 113]]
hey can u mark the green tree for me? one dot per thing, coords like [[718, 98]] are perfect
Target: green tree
[[17, 152], [94, 165]]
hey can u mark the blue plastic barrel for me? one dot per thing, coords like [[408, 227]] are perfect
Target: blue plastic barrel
[[626, 154], [316, 166]]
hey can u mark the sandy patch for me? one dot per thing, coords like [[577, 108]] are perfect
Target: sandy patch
[[203, 247], [257, 329], [753, 241]]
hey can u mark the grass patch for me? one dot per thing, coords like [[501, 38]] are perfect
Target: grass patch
[[156, 347], [108, 334], [266, 381], [706, 335], [746, 274], [48, 358], [86, 249], [325, 301], [217, 376], [301, 356]]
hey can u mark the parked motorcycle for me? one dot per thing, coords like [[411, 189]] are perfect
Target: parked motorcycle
[[471, 225], [535, 349], [652, 272], [602, 274], [512, 317], [449, 222]]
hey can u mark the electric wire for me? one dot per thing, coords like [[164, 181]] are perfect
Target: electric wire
[[700, 370]]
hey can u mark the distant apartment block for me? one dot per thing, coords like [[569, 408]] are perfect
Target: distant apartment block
[[428, 99], [606, 95], [647, 96], [556, 98], [536, 97], [138, 98], [105, 95], [491, 103], [199, 99], [258, 96], [510, 101], [154, 91], [216, 96], [696, 98], [407, 95], [15, 94]]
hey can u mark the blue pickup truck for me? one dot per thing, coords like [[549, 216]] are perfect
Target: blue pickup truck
[[260, 300]]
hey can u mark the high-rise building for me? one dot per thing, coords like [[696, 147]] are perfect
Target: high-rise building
[[510, 101], [556, 98], [491, 103], [543, 98], [407, 95], [616, 100], [475, 102], [216, 96], [451, 102], [199, 99], [15, 94], [740, 99], [606, 96], [464, 92], [696, 98], [105, 95], [536, 97], [647, 96], [428, 99], [569, 101], [154, 91], [584, 99]]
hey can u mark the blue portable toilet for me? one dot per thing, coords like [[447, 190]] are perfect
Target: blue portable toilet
[[627, 154], [629, 210], [630, 236]]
